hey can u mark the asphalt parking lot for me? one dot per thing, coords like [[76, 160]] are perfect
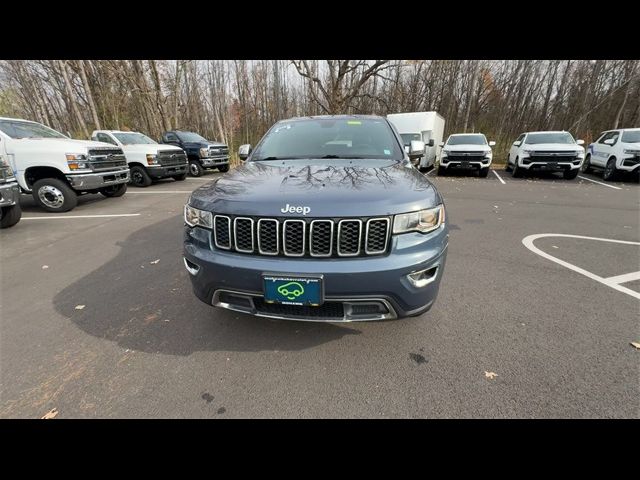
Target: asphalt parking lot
[[98, 318]]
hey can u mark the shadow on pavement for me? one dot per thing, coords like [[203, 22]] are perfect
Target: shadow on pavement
[[150, 307]]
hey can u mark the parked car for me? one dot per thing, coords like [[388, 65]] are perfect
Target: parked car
[[614, 152], [10, 212], [553, 151], [427, 127], [55, 169], [466, 151], [326, 220], [147, 159], [203, 154]]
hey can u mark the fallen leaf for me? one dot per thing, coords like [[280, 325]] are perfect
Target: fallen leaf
[[51, 414], [636, 344], [44, 267], [79, 307], [490, 375], [154, 261]]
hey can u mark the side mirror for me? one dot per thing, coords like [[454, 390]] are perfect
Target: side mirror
[[416, 149], [492, 143], [580, 142], [244, 151], [608, 141], [442, 144], [431, 142], [517, 143]]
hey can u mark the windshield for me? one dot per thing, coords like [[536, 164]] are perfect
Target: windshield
[[467, 140], [560, 137], [329, 138], [408, 137], [133, 138], [632, 136], [190, 137], [28, 130]]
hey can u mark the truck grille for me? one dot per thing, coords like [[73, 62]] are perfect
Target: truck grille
[[465, 156], [171, 157], [217, 151], [551, 156], [102, 159], [295, 237]]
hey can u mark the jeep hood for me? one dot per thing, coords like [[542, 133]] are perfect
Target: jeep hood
[[330, 188]]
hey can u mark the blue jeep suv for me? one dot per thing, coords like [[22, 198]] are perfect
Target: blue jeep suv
[[327, 220]]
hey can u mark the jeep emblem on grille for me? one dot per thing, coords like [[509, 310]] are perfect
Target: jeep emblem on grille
[[293, 209]]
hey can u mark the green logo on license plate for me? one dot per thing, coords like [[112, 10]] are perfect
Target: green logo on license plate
[[291, 290]]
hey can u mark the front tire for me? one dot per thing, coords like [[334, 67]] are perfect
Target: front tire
[[114, 190], [195, 169], [586, 165], [140, 177], [483, 172], [223, 168], [517, 171], [9, 216], [610, 171], [179, 178], [570, 174], [54, 195], [442, 171]]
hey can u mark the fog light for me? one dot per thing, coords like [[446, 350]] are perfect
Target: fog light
[[423, 277]]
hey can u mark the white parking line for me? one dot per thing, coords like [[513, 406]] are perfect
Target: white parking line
[[613, 282], [160, 191], [56, 217], [431, 171], [599, 183], [501, 180]]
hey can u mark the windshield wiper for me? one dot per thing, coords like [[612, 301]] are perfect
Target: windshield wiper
[[340, 156]]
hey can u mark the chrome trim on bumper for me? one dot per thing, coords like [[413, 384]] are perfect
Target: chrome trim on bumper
[[91, 181], [9, 194]]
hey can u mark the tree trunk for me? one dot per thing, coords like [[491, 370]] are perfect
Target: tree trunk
[[87, 89], [74, 105]]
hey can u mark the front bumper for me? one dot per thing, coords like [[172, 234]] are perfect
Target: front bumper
[[629, 163], [92, 181], [551, 165], [347, 281], [464, 164], [9, 194], [215, 161], [164, 171]]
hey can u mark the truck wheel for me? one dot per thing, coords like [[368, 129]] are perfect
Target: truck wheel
[[570, 174], [586, 165], [54, 195], [179, 178], [610, 171], [195, 169], [517, 171], [114, 190], [9, 216], [223, 168], [442, 171], [140, 177], [483, 172]]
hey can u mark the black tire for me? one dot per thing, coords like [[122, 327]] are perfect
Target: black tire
[[441, 171], [179, 178], [483, 172], [9, 216], [586, 165], [56, 195], [114, 190], [195, 169], [610, 172], [570, 174], [517, 171], [223, 168], [140, 177]]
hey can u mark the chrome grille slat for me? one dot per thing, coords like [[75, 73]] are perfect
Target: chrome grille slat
[[297, 237]]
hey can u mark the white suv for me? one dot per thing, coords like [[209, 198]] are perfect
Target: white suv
[[614, 151], [466, 151], [547, 152]]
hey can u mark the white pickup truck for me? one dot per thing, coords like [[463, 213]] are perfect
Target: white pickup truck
[[147, 159], [466, 151], [614, 152], [553, 151], [55, 169]]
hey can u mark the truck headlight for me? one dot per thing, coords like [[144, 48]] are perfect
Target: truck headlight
[[488, 154], [152, 159], [204, 152], [630, 152], [194, 217], [77, 161], [444, 154], [422, 221]]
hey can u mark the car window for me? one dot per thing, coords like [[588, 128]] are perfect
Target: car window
[[467, 140], [134, 138], [631, 136], [329, 138], [549, 137], [606, 136], [103, 137], [170, 137], [521, 138], [191, 137], [28, 130]]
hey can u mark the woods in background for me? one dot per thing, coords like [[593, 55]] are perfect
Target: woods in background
[[236, 101]]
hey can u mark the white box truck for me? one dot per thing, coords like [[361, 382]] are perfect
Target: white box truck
[[425, 126]]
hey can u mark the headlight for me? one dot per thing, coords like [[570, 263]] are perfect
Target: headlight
[[77, 161], [445, 153], [204, 152], [631, 152], [528, 152], [152, 159], [488, 154], [421, 221], [194, 217]]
